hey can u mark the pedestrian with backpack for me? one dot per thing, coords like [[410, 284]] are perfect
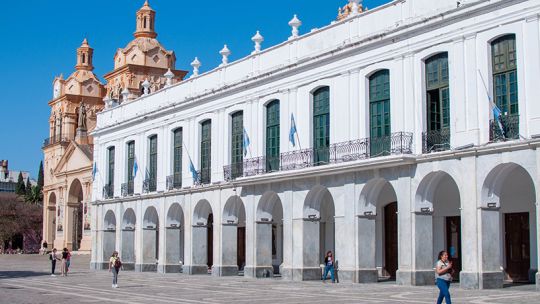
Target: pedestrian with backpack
[[114, 265]]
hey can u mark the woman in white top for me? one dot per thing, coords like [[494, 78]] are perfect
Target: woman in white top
[[443, 277]]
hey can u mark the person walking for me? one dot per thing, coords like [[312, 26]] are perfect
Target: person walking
[[329, 266], [443, 277], [53, 257], [114, 265], [65, 253], [68, 261]]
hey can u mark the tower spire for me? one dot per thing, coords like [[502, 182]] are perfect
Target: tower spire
[[146, 17], [84, 56]]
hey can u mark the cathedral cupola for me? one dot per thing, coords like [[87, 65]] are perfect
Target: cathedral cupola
[[84, 57], [146, 17]]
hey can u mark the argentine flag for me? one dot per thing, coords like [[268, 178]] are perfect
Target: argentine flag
[[135, 167], [94, 171], [293, 131], [245, 142], [192, 170]]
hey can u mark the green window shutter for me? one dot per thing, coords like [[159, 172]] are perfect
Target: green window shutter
[[206, 144], [272, 136], [321, 125], [152, 170], [177, 157], [379, 112], [237, 138], [131, 160], [110, 177]]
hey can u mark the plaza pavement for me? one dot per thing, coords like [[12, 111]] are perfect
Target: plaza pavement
[[26, 279]]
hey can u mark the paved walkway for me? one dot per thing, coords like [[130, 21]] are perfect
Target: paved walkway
[[26, 279]]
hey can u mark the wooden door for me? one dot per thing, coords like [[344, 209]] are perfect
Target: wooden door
[[517, 241], [210, 241], [241, 247], [453, 243], [391, 239]]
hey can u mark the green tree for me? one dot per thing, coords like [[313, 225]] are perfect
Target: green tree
[[28, 189], [40, 176], [20, 189], [35, 195]]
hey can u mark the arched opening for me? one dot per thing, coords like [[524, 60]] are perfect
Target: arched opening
[[174, 249], [202, 238], [511, 188], [109, 235], [378, 231], [233, 238], [269, 236], [150, 239], [437, 223], [318, 230], [75, 215], [51, 220], [129, 221]]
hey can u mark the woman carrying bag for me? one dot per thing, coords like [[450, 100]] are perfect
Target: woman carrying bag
[[114, 265]]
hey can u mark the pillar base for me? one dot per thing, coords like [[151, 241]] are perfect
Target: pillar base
[[532, 273], [195, 269], [538, 281], [486, 280], [145, 267], [169, 268], [259, 271], [128, 266], [360, 275], [415, 278], [302, 274], [224, 271], [99, 265]]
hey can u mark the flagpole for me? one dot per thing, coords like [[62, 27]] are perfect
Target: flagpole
[[298, 138]]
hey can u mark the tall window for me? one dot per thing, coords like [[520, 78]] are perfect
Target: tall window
[[110, 173], [379, 113], [505, 87], [177, 158], [130, 165], [321, 125], [206, 143], [272, 136], [237, 139], [152, 163], [437, 136]]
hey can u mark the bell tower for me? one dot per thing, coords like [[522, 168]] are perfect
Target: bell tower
[[84, 57], [146, 17]]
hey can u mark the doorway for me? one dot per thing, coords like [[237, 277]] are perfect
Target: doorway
[[210, 241], [241, 248], [453, 243], [517, 239], [391, 239]]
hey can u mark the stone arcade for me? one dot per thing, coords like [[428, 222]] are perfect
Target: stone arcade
[[386, 136]]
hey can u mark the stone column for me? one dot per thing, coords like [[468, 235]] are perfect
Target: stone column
[[311, 269], [149, 263], [490, 275], [128, 249], [366, 271], [422, 270], [173, 250], [229, 247], [263, 251], [198, 251], [108, 246]]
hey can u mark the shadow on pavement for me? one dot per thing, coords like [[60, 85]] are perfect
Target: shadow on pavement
[[21, 274]]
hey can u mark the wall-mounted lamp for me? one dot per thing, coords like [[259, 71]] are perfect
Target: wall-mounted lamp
[[150, 227], [312, 216], [425, 210], [464, 147], [265, 219], [492, 205], [200, 224], [368, 213], [174, 225]]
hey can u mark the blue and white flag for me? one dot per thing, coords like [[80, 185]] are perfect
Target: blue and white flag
[[245, 142], [135, 167], [293, 131], [497, 113], [192, 170], [94, 171]]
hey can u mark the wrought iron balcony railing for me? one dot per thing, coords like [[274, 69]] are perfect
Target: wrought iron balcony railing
[[436, 140], [174, 181], [108, 191], [54, 140], [149, 185], [504, 128], [127, 188], [397, 143]]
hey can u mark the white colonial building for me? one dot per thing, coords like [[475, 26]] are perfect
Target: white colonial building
[[374, 137]]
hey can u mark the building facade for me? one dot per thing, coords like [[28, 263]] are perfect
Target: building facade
[[9, 178], [387, 136], [68, 167]]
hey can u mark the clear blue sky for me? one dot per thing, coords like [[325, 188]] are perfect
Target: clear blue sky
[[39, 39]]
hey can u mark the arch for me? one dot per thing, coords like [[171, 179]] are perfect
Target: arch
[[428, 189], [174, 237], [201, 212], [74, 212], [501, 36], [52, 199], [75, 191], [492, 186], [314, 200], [267, 204], [109, 221], [377, 193], [151, 218], [234, 210], [129, 220], [175, 216]]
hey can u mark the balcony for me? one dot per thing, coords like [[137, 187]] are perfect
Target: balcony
[[108, 191], [436, 140], [203, 176], [54, 140], [506, 128], [174, 181], [149, 185], [127, 188], [397, 143]]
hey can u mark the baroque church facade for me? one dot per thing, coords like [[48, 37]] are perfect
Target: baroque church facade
[[68, 151], [386, 136]]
